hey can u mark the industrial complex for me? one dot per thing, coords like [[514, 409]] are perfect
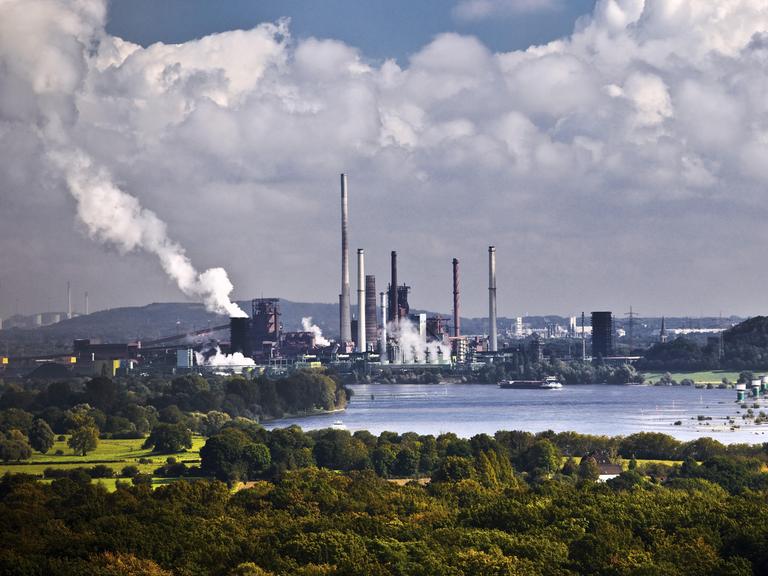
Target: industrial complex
[[378, 330]]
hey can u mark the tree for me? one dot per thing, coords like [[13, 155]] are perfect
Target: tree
[[14, 446], [101, 392], [453, 469], [406, 463], [258, 458], [15, 419], [41, 436], [214, 421], [84, 439], [168, 438], [542, 459], [589, 471]]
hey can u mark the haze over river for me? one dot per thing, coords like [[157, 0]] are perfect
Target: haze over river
[[469, 409]]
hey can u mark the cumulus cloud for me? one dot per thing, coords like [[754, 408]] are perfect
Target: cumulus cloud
[[588, 159]]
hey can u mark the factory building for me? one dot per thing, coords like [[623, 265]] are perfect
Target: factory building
[[602, 334], [259, 335]]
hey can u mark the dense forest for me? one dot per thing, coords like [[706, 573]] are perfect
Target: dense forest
[[134, 407], [476, 517]]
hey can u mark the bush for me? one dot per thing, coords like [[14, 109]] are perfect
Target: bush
[[59, 452], [61, 437], [55, 473], [175, 470], [127, 435], [145, 479], [129, 471], [101, 471]]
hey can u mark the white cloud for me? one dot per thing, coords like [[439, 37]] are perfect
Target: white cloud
[[555, 154], [483, 9]]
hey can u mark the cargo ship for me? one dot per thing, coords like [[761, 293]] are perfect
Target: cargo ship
[[549, 383]]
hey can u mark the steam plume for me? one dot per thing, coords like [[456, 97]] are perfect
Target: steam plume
[[235, 361], [308, 326], [117, 218], [413, 348]]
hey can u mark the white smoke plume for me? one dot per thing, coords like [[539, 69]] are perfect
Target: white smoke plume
[[308, 326], [117, 218], [413, 348], [42, 81], [234, 361]]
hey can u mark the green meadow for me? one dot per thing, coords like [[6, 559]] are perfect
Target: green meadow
[[711, 377], [113, 453]]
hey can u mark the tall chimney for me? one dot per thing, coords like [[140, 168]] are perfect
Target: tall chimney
[[493, 344], [86, 303], [371, 323], [69, 300], [361, 344], [383, 337], [583, 340], [395, 312], [456, 311], [345, 330]]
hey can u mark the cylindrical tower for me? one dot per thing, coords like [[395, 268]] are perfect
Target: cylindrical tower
[[345, 330], [394, 313], [456, 311], [493, 344], [371, 322], [383, 336], [361, 343]]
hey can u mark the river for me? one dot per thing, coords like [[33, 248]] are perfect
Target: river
[[469, 409]]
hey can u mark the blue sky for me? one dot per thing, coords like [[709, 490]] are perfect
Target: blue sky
[[380, 28]]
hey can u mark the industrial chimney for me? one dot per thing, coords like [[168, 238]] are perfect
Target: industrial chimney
[[86, 303], [345, 330], [493, 344], [69, 301], [371, 323], [361, 344], [456, 311], [394, 313], [383, 337]]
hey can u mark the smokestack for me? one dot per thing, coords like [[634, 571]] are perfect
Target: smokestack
[[456, 311], [583, 340], [493, 344], [361, 344], [345, 330], [395, 312], [371, 323], [86, 302], [383, 338], [69, 301]]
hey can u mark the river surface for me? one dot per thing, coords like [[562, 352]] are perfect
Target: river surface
[[469, 409]]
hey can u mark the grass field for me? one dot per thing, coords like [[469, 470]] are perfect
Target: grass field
[[120, 453], [715, 377], [113, 453]]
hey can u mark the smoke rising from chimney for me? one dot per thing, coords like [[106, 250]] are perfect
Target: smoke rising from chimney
[[308, 326], [114, 217]]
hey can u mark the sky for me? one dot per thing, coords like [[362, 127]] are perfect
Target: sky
[[615, 153]]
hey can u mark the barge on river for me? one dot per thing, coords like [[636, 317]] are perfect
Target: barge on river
[[549, 383]]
